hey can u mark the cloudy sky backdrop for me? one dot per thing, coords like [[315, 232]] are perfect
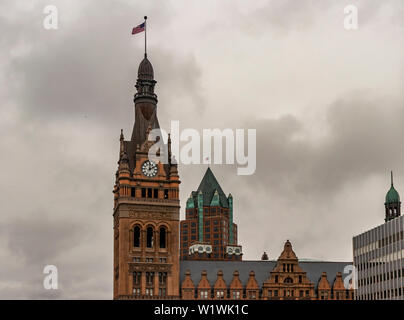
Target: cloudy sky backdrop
[[327, 105]]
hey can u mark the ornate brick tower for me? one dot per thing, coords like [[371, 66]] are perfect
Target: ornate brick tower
[[208, 231], [146, 206]]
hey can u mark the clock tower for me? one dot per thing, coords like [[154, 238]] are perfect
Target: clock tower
[[146, 206]]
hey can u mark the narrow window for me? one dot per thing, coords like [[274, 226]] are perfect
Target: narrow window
[[136, 236], [155, 193], [149, 237], [163, 237], [136, 278], [162, 278], [143, 192], [149, 192], [132, 192], [165, 193]]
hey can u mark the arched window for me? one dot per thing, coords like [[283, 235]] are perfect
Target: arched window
[[149, 237], [136, 236], [288, 280], [163, 237]]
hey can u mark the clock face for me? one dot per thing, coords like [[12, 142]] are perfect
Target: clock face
[[149, 168]]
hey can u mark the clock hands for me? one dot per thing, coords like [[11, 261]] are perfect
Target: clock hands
[[149, 168]]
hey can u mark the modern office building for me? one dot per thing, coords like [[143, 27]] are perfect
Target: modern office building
[[379, 255]]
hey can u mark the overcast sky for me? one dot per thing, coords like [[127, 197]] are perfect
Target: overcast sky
[[327, 105]]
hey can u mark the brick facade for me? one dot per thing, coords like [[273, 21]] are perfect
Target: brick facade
[[286, 281]]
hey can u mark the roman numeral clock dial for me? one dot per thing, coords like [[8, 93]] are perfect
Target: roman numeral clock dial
[[149, 168]]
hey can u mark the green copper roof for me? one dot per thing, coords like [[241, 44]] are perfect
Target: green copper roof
[[190, 203], [215, 200], [208, 186], [392, 196]]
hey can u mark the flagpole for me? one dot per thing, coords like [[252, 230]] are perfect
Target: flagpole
[[145, 29]]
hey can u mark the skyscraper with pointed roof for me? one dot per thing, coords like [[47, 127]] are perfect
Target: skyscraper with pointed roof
[[208, 231]]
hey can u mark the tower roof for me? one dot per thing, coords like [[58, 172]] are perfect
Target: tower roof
[[208, 187], [392, 195], [145, 103], [287, 253], [145, 71]]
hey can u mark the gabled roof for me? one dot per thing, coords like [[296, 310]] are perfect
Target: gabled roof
[[235, 282], [261, 268], [220, 283], [323, 283], [252, 282], [287, 253], [208, 186], [204, 281]]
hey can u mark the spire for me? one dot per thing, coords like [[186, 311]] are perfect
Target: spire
[[392, 195], [145, 102], [392, 203], [169, 149], [145, 39], [121, 139]]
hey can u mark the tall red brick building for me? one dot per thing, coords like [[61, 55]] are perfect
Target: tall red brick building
[[208, 231], [147, 231]]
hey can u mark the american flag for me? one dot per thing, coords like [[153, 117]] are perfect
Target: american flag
[[139, 28]]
